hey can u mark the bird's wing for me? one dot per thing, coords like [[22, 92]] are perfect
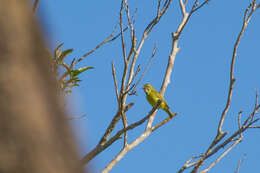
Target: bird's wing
[[158, 96]]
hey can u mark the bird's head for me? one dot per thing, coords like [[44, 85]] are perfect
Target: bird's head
[[147, 88]]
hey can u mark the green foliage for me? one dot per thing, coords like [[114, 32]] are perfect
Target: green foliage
[[69, 76]]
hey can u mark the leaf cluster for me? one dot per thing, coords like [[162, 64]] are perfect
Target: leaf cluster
[[67, 74]]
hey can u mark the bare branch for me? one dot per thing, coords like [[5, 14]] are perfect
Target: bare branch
[[187, 164], [175, 49], [230, 139], [258, 5], [163, 122], [158, 7], [110, 38], [240, 163], [146, 32], [133, 144], [133, 86], [122, 96], [106, 143], [133, 92], [227, 141], [77, 117], [112, 125], [129, 19], [115, 81], [125, 126], [223, 155], [197, 7], [100, 148], [121, 101], [35, 5], [251, 117], [220, 133], [239, 119], [121, 30], [254, 127], [232, 79], [131, 71], [160, 13], [182, 6], [186, 16]]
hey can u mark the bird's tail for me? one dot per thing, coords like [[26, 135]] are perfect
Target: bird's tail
[[169, 113]]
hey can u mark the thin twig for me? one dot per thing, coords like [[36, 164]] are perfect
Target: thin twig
[[133, 92], [222, 145], [107, 40], [112, 125], [106, 143], [125, 126], [130, 146], [158, 7], [163, 122], [121, 99], [254, 112], [121, 30], [231, 78], [115, 81], [223, 155], [175, 49], [35, 5], [254, 127], [187, 164], [186, 16], [133, 86], [126, 62], [77, 117], [239, 119], [220, 133], [240, 163], [231, 138], [129, 19], [146, 32], [197, 7]]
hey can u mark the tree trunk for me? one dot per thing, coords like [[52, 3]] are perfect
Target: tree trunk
[[34, 133]]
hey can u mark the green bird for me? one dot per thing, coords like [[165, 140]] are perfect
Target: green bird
[[153, 96]]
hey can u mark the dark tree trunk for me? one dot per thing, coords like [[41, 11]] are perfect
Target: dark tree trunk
[[34, 134]]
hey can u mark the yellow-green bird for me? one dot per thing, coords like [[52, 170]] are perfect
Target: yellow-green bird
[[153, 96]]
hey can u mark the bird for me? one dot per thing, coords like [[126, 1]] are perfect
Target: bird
[[153, 97]]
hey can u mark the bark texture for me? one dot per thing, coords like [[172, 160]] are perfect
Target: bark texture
[[34, 134]]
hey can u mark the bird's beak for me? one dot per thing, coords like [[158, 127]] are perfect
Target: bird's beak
[[143, 87]]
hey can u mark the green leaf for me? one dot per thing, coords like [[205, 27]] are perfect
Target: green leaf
[[57, 51], [75, 73], [64, 54]]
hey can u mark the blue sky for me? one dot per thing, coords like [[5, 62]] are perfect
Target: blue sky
[[198, 87]]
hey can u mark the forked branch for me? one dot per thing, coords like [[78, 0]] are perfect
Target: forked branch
[[214, 147], [149, 127]]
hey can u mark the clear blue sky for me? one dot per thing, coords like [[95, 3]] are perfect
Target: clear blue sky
[[198, 87]]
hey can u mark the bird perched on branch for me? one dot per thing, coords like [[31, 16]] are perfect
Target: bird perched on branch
[[153, 97]]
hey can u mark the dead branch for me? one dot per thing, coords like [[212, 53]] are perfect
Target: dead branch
[[112, 125], [106, 143], [214, 148], [35, 5], [149, 128], [77, 117], [132, 91], [240, 163], [223, 155], [110, 38], [115, 81], [122, 95]]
